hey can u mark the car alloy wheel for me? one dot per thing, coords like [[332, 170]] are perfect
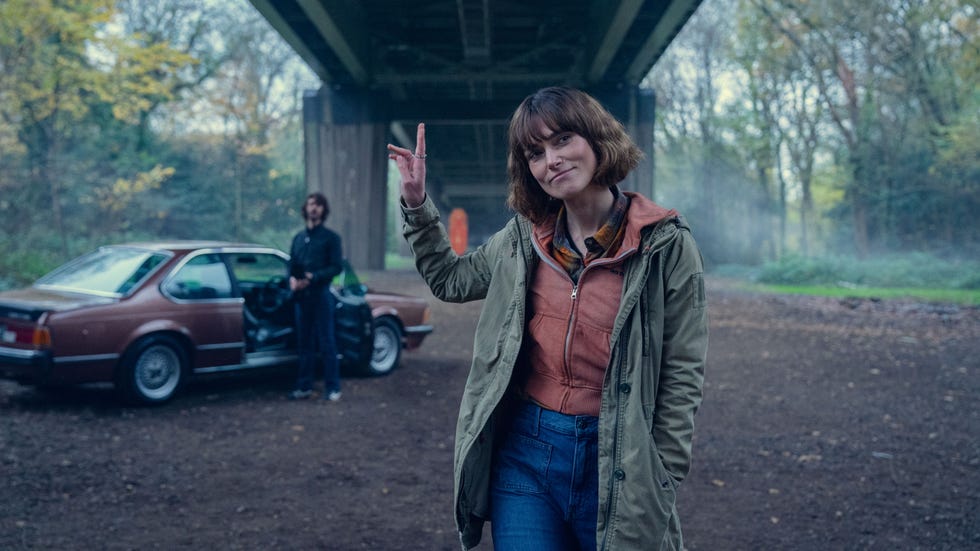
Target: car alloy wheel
[[387, 346], [155, 371]]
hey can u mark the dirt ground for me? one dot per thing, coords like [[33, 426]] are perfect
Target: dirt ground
[[826, 424]]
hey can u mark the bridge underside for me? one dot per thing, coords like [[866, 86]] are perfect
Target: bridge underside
[[461, 67]]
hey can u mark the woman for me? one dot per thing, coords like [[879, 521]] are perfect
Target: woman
[[576, 421]]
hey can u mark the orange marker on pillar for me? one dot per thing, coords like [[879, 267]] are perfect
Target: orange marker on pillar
[[458, 230]]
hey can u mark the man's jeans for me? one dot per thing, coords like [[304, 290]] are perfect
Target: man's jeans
[[545, 482], [315, 333]]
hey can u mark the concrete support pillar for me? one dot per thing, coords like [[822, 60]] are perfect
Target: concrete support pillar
[[641, 126], [345, 135], [635, 108]]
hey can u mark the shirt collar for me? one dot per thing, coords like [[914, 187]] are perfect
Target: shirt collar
[[605, 241]]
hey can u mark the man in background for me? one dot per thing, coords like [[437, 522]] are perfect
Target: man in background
[[315, 259]]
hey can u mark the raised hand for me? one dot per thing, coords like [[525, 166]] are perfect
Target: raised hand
[[411, 166]]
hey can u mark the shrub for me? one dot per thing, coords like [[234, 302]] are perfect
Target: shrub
[[22, 267], [799, 270], [918, 270]]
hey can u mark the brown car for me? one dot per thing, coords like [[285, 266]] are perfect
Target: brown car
[[146, 316]]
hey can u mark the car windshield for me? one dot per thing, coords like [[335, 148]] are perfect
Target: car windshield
[[109, 271]]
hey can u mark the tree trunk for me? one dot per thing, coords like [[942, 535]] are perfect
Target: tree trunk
[[49, 176], [861, 240]]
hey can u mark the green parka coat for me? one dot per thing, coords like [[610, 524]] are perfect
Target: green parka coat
[[652, 387]]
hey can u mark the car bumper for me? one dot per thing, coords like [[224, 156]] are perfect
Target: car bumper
[[414, 335], [25, 365]]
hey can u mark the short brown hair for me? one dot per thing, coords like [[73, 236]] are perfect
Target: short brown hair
[[564, 110]]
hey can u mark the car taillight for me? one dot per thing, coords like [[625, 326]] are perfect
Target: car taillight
[[425, 315], [41, 337]]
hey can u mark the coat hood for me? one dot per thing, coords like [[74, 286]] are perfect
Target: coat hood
[[644, 217]]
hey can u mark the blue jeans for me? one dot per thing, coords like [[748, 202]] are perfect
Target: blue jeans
[[315, 333], [544, 486]]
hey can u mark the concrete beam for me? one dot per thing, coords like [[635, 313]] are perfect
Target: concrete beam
[[468, 111], [613, 26], [474, 28], [450, 77], [272, 15], [342, 28], [657, 41]]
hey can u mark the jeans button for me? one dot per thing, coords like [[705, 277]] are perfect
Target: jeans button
[[625, 388], [619, 474]]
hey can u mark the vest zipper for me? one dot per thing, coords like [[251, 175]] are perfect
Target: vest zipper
[[573, 313]]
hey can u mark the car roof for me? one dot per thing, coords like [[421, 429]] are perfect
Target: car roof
[[181, 245]]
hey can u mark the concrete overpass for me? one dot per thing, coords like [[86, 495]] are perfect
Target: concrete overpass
[[460, 66]]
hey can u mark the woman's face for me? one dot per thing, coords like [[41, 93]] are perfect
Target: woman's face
[[563, 163]]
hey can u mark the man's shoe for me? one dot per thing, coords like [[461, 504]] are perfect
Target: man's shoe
[[333, 396], [300, 394]]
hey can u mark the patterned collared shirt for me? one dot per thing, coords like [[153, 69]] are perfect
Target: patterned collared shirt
[[605, 241]]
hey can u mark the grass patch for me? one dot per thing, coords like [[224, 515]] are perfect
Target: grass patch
[[397, 262], [969, 297], [905, 271], [915, 276]]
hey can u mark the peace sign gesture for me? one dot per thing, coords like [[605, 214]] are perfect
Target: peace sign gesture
[[411, 166]]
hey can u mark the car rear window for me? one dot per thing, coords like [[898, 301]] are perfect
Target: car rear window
[[110, 271], [202, 277]]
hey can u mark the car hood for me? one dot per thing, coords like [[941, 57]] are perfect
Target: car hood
[[38, 300]]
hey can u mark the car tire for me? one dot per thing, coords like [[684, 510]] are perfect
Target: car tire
[[387, 350], [152, 371]]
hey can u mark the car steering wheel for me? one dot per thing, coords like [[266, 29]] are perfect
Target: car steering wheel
[[272, 295]]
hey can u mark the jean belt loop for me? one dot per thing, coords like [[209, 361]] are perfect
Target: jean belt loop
[[535, 418]]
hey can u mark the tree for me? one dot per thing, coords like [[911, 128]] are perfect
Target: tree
[[49, 82], [256, 96], [804, 117], [199, 32], [882, 71], [699, 131], [762, 60], [60, 66]]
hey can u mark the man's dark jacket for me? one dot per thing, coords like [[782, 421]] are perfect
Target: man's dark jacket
[[317, 251]]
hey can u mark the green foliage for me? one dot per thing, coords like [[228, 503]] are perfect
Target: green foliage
[[954, 296], [918, 270], [394, 261], [782, 128], [20, 266], [843, 126], [72, 89], [110, 129], [799, 270]]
